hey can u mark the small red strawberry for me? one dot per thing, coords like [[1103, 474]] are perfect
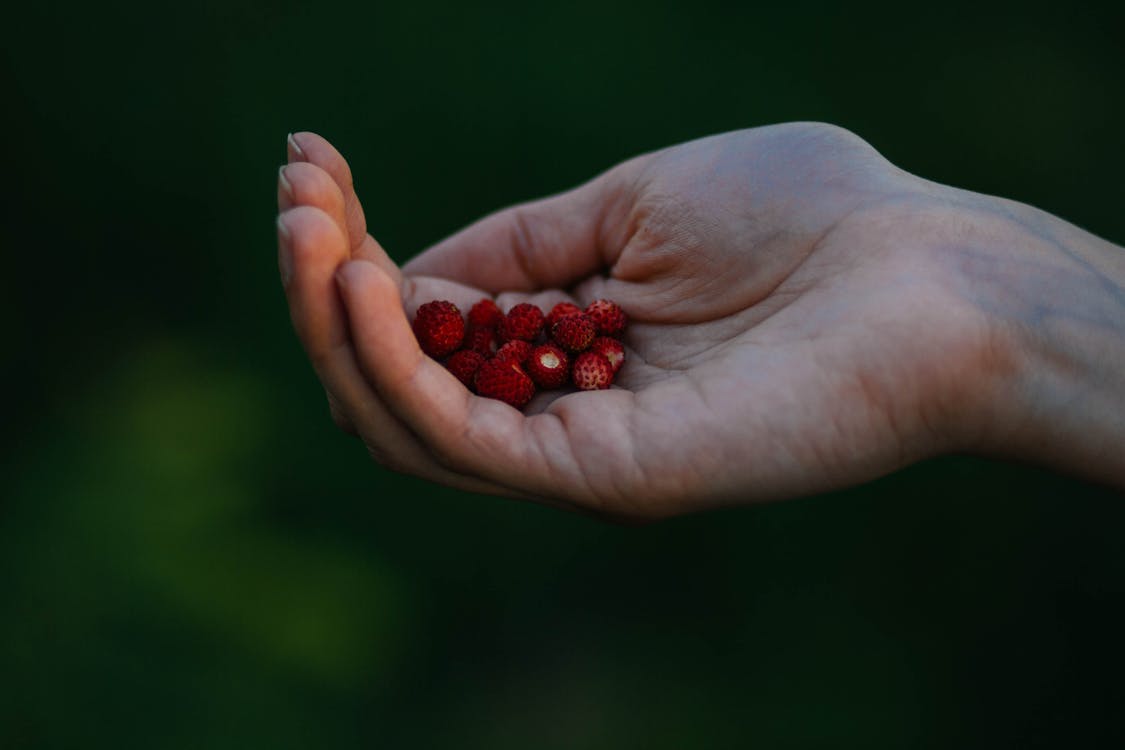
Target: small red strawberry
[[608, 317], [482, 341], [439, 328], [505, 380], [592, 372], [485, 314], [560, 311], [611, 349], [524, 321], [574, 332], [514, 351], [548, 366], [464, 364]]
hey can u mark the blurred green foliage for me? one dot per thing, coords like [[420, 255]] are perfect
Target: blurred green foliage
[[191, 554]]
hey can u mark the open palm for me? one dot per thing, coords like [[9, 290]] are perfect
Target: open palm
[[795, 324]]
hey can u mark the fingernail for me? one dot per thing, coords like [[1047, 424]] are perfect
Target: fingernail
[[284, 254], [295, 152], [284, 183]]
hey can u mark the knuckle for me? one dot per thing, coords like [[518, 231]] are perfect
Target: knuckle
[[837, 137], [326, 357], [454, 450], [525, 243], [339, 168], [346, 178], [321, 359], [447, 456], [342, 422], [385, 458]]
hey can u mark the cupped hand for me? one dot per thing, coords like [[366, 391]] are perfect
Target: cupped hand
[[797, 323]]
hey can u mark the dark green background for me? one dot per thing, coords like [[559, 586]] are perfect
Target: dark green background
[[192, 556]]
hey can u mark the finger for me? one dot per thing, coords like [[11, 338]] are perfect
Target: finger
[[469, 435], [302, 183], [310, 247], [314, 149], [339, 417], [315, 247], [547, 243], [305, 184]]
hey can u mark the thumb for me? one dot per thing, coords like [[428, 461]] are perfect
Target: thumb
[[549, 243]]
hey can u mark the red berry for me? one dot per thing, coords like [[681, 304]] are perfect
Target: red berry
[[505, 380], [514, 351], [524, 321], [574, 332], [608, 317], [548, 366], [439, 328], [482, 341], [560, 311], [611, 349], [592, 372], [464, 364], [485, 314]]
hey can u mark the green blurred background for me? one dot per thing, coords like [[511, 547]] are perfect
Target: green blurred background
[[191, 556]]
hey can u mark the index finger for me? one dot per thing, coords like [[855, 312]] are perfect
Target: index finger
[[469, 435]]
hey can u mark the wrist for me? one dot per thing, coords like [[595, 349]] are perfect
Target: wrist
[[1054, 299]]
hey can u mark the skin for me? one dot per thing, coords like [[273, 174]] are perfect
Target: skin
[[803, 316]]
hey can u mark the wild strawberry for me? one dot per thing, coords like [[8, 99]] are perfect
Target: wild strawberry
[[439, 328], [514, 351], [574, 332], [592, 372], [485, 314], [548, 366], [464, 364], [482, 341], [504, 380], [524, 322], [608, 317], [611, 349], [560, 311]]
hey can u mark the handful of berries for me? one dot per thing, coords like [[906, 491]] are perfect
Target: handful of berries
[[507, 356]]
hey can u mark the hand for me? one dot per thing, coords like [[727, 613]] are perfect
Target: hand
[[800, 320]]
